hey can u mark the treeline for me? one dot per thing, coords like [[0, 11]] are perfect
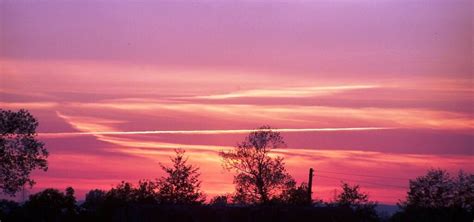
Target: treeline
[[434, 197], [264, 190]]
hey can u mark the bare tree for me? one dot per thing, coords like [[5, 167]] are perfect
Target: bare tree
[[259, 177], [182, 184], [20, 151]]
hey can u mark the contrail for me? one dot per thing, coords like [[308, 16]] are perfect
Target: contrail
[[209, 132]]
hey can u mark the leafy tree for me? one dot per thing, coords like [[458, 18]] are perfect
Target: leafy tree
[[94, 199], [434, 190], [125, 193], [51, 205], [221, 200], [70, 201], [352, 197], [259, 177], [464, 191], [145, 193], [437, 196], [182, 184], [296, 195], [122, 194], [437, 189], [20, 151]]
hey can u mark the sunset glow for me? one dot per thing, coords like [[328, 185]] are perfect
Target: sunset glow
[[368, 92]]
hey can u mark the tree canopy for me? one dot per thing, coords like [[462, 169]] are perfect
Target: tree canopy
[[260, 177], [437, 196], [182, 184], [296, 195], [437, 189], [50, 204], [353, 198], [20, 151]]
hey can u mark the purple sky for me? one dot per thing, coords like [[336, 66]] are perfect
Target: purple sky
[[398, 71]]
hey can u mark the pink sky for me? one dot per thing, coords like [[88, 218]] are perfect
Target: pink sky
[[381, 90]]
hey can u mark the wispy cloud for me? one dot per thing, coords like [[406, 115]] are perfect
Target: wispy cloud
[[386, 117], [88, 124], [289, 92], [197, 132], [28, 105]]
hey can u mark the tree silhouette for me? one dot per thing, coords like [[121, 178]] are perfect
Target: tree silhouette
[[437, 196], [125, 193], [20, 151], [70, 201], [437, 189], [145, 193], [221, 200], [120, 195], [351, 197], [260, 177], [432, 190], [296, 195], [51, 205], [182, 184], [94, 200], [464, 191]]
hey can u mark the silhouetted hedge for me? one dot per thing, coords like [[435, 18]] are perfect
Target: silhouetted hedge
[[145, 213], [433, 215]]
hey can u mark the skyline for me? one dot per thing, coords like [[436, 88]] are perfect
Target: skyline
[[370, 92]]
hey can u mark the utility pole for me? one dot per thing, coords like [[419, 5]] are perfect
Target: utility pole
[[310, 184]]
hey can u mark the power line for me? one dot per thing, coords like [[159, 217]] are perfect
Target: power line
[[359, 181], [364, 175]]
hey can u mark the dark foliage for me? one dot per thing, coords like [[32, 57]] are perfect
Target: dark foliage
[[94, 200], [51, 205], [182, 184], [296, 196], [145, 192], [192, 213], [126, 202], [437, 189], [443, 214], [125, 193], [260, 177], [20, 151], [221, 200], [10, 210], [437, 196], [351, 197]]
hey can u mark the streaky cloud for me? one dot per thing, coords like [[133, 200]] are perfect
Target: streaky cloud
[[208, 132], [288, 92]]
